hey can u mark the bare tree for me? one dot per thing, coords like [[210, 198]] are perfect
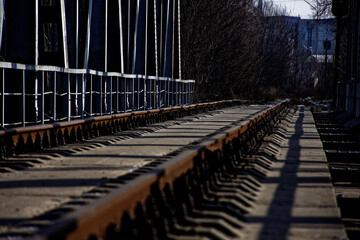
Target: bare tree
[[235, 50], [320, 8], [218, 41]]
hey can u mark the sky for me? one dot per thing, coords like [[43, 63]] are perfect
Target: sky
[[296, 7]]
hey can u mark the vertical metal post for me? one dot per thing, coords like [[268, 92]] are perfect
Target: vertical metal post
[[101, 96], [177, 92], [150, 94], [2, 14], [179, 38], [3, 99], [117, 94], [145, 93], [88, 34], [76, 94], [156, 40], [42, 98], [106, 34], [105, 110], [111, 95], [91, 94], [135, 36], [173, 41], [77, 36], [23, 99], [121, 38], [161, 37], [188, 93], [82, 95], [54, 98], [138, 93], [168, 91], [133, 94], [36, 32], [36, 62], [183, 93], [128, 38], [64, 33], [69, 98], [36, 91], [146, 38], [158, 92], [124, 83], [155, 96]]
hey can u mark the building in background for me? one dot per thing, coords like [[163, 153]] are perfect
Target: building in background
[[321, 30]]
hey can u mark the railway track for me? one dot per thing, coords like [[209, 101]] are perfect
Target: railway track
[[15, 141], [189, 177], [340, 137]]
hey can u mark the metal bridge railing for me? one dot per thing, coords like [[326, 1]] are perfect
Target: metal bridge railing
[[40, 94]]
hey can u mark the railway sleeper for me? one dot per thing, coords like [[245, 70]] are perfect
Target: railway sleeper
[[344, 156], [34, 138], [341, 145], [207, 201], [181, 207], [349, 207], [340, 136], [345, 174]]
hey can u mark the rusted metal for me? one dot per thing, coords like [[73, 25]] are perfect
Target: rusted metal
[[32, 138], [122, 204]]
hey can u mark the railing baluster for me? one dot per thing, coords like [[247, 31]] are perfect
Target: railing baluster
[[3, 99], [23, 98], [133, 94], [68, 98], [125, 93], [54, 97], [82, 95], [36, 99], [117, 94], [138, 93], [101, 96], [42, 98], [91, 94], [125, 98], [111, 94], [76, 94]]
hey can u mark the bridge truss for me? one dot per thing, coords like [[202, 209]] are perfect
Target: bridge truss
[[66, 59]]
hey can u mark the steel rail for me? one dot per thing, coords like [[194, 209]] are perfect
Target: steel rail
[[36, 137], [93, 220]]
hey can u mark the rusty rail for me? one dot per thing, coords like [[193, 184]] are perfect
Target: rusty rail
[[33, 138], [138, 200]]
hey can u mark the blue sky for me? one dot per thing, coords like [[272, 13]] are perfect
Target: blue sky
[[295, 7]]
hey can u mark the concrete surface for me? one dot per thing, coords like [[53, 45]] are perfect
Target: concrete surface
[[29, 193], [297, 200]]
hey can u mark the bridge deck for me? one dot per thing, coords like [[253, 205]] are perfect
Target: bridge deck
[[74, 169], [298, 200]]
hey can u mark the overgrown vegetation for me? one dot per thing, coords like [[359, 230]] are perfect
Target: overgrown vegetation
[[235, 49]]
